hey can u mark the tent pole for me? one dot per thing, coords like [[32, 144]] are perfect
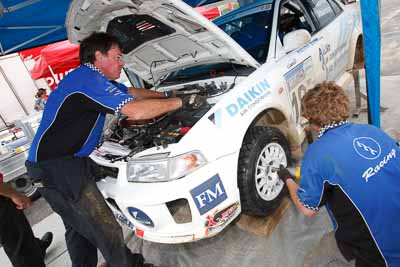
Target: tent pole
[[14, 91], [18, 6], [33, 39], [1, 50]]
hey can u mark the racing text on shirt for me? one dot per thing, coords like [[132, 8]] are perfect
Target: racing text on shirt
[[372, 171]]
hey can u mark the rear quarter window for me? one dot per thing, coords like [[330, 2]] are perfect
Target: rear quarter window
[[323, 11], [336, 7]]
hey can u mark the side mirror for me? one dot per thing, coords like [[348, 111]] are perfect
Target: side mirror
[[295, 39]]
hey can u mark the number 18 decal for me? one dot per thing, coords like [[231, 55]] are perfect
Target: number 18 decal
[[296, 96]]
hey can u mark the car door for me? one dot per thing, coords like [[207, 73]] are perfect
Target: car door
[[301, 67], [334, 29]]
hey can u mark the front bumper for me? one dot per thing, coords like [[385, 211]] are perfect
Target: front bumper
[[194, 207]]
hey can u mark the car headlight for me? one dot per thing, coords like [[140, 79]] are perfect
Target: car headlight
[[150, 169]]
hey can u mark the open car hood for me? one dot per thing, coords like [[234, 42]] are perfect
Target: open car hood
[[158, 37]]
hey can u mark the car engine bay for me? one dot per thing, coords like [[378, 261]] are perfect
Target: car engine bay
[[138, 135]]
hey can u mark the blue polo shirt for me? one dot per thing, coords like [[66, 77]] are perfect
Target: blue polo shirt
[[355, 170], [74, 115]]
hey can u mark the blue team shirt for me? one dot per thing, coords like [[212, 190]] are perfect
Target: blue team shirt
[[364, 162], [74, 115]]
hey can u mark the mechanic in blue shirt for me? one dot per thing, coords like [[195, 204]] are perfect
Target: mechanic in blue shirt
[[69, 131], [354, 170]]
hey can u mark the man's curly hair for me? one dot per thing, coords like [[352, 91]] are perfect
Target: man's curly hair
[[324, 104]]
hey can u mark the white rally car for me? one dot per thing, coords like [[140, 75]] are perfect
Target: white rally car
[[185, 176]]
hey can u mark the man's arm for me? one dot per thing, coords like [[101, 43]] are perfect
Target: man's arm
[[150, 108], [19, 200], [142, 93], [293, 186]]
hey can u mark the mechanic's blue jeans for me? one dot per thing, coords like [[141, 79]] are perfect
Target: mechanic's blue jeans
[[88, 220]]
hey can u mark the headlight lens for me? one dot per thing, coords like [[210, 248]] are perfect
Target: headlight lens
[[150, 170]]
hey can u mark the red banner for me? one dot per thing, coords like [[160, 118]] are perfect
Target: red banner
[[53, 61]]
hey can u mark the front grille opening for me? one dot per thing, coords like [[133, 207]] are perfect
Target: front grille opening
[[180, 210], [112, 202], [104, 171]]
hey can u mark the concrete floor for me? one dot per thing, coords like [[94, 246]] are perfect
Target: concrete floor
[[43, 219]]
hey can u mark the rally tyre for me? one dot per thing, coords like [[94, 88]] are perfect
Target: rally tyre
[[261, 190]]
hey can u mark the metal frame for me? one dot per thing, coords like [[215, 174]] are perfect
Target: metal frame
[[5, 10]]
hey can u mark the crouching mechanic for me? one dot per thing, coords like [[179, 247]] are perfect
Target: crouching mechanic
[[354, 170], [16, 236], [69, 131]]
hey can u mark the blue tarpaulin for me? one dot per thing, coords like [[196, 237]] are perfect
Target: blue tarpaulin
[[29, 23]]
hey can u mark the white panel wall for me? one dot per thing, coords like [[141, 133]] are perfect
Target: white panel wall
[[20, 81]]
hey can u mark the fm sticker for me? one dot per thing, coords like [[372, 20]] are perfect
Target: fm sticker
[[209, 194]]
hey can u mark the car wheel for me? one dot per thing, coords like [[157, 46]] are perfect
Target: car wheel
[[261, 190]]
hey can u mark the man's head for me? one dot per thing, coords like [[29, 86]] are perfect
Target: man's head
[[103, 51], [324, 104], [40, 92]]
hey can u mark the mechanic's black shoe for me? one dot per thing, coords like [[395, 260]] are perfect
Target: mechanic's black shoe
[[45, 242]]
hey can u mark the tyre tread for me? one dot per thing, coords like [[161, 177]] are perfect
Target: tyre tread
[[249, 204]]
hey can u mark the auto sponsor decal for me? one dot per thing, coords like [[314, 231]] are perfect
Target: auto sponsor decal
[[324, 57], [140, 216], [335, 57], [333, 60], [295, 80], [139, 233], [242, 103], [216, 118], [123, 220], [249, 98], [209, 194], [219, 218], [296, 75], [309, 44]]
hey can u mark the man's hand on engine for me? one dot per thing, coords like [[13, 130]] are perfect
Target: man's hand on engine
[[171, 93], [193, 101], [284, 174]]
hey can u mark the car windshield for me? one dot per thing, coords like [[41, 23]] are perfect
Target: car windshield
[[252, 31]]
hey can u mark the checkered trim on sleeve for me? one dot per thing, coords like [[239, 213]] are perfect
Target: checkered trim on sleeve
[[118, 109], [308, 206]]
